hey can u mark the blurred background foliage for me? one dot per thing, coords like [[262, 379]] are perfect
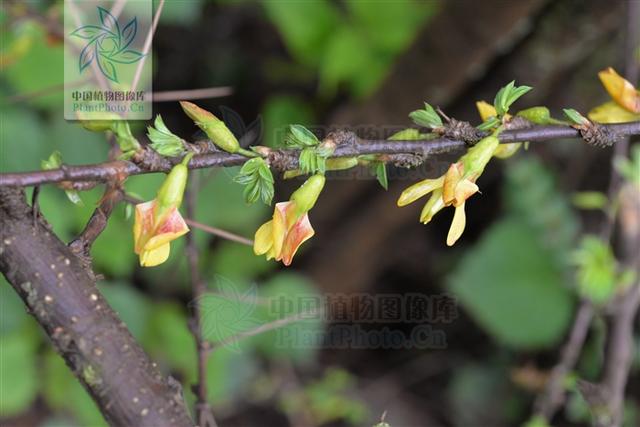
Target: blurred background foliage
[[319, 62]]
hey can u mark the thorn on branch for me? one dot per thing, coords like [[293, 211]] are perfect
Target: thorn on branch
[[518, 123], [461, 131], [598, 135]]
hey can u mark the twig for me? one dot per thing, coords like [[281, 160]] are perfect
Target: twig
[[287, 159], [266, 327], [554, 394], [219, 232], [204, 93], [207, 228], [204, 414]]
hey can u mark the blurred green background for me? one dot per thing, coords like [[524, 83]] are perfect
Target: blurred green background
[[321, 63]]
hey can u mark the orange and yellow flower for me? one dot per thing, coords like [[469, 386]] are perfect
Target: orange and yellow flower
[[289, 228], [153, 233], [158, 222], [453, 188]]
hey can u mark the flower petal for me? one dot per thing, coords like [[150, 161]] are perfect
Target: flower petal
[[299, 233], [463, 191], [414, 192], [172, 228], [279, 226], [457, 225], [263, 240], [610, 112], [451, 180], [142, 224], [155, 256], [620, 90], [485, 110], [434, 205]]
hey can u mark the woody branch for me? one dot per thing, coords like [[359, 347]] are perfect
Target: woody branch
[[348, 145]]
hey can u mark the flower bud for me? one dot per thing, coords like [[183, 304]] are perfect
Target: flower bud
[[215, 128], [479, 155], [341, 163], [307, 195], [172, 189], [106, 121], [537, 115]]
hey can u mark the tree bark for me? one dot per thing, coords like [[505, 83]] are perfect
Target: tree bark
[[96, 345]]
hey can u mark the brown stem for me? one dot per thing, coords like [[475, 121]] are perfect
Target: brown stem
[[62, 296], [105, 171], [204, 414], [553, 396]]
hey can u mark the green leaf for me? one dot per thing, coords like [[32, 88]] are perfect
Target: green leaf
[[313, 160], [507, 95], [300, 137], [305, 27], [340, 64], [539, 115], [596, 270], [489, 124], [257, 178], [575, 116], [511, 285], [163, 140], [125, 139], [380, 169], [590, 200], [427, 117], [53, 162]]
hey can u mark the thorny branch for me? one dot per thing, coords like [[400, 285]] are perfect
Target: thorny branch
[[348, 145]]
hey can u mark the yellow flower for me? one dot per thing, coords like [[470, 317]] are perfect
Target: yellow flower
[[158, 222], [620, 90], [152, 234], [453, 188], [289, 228], [625, 106]]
